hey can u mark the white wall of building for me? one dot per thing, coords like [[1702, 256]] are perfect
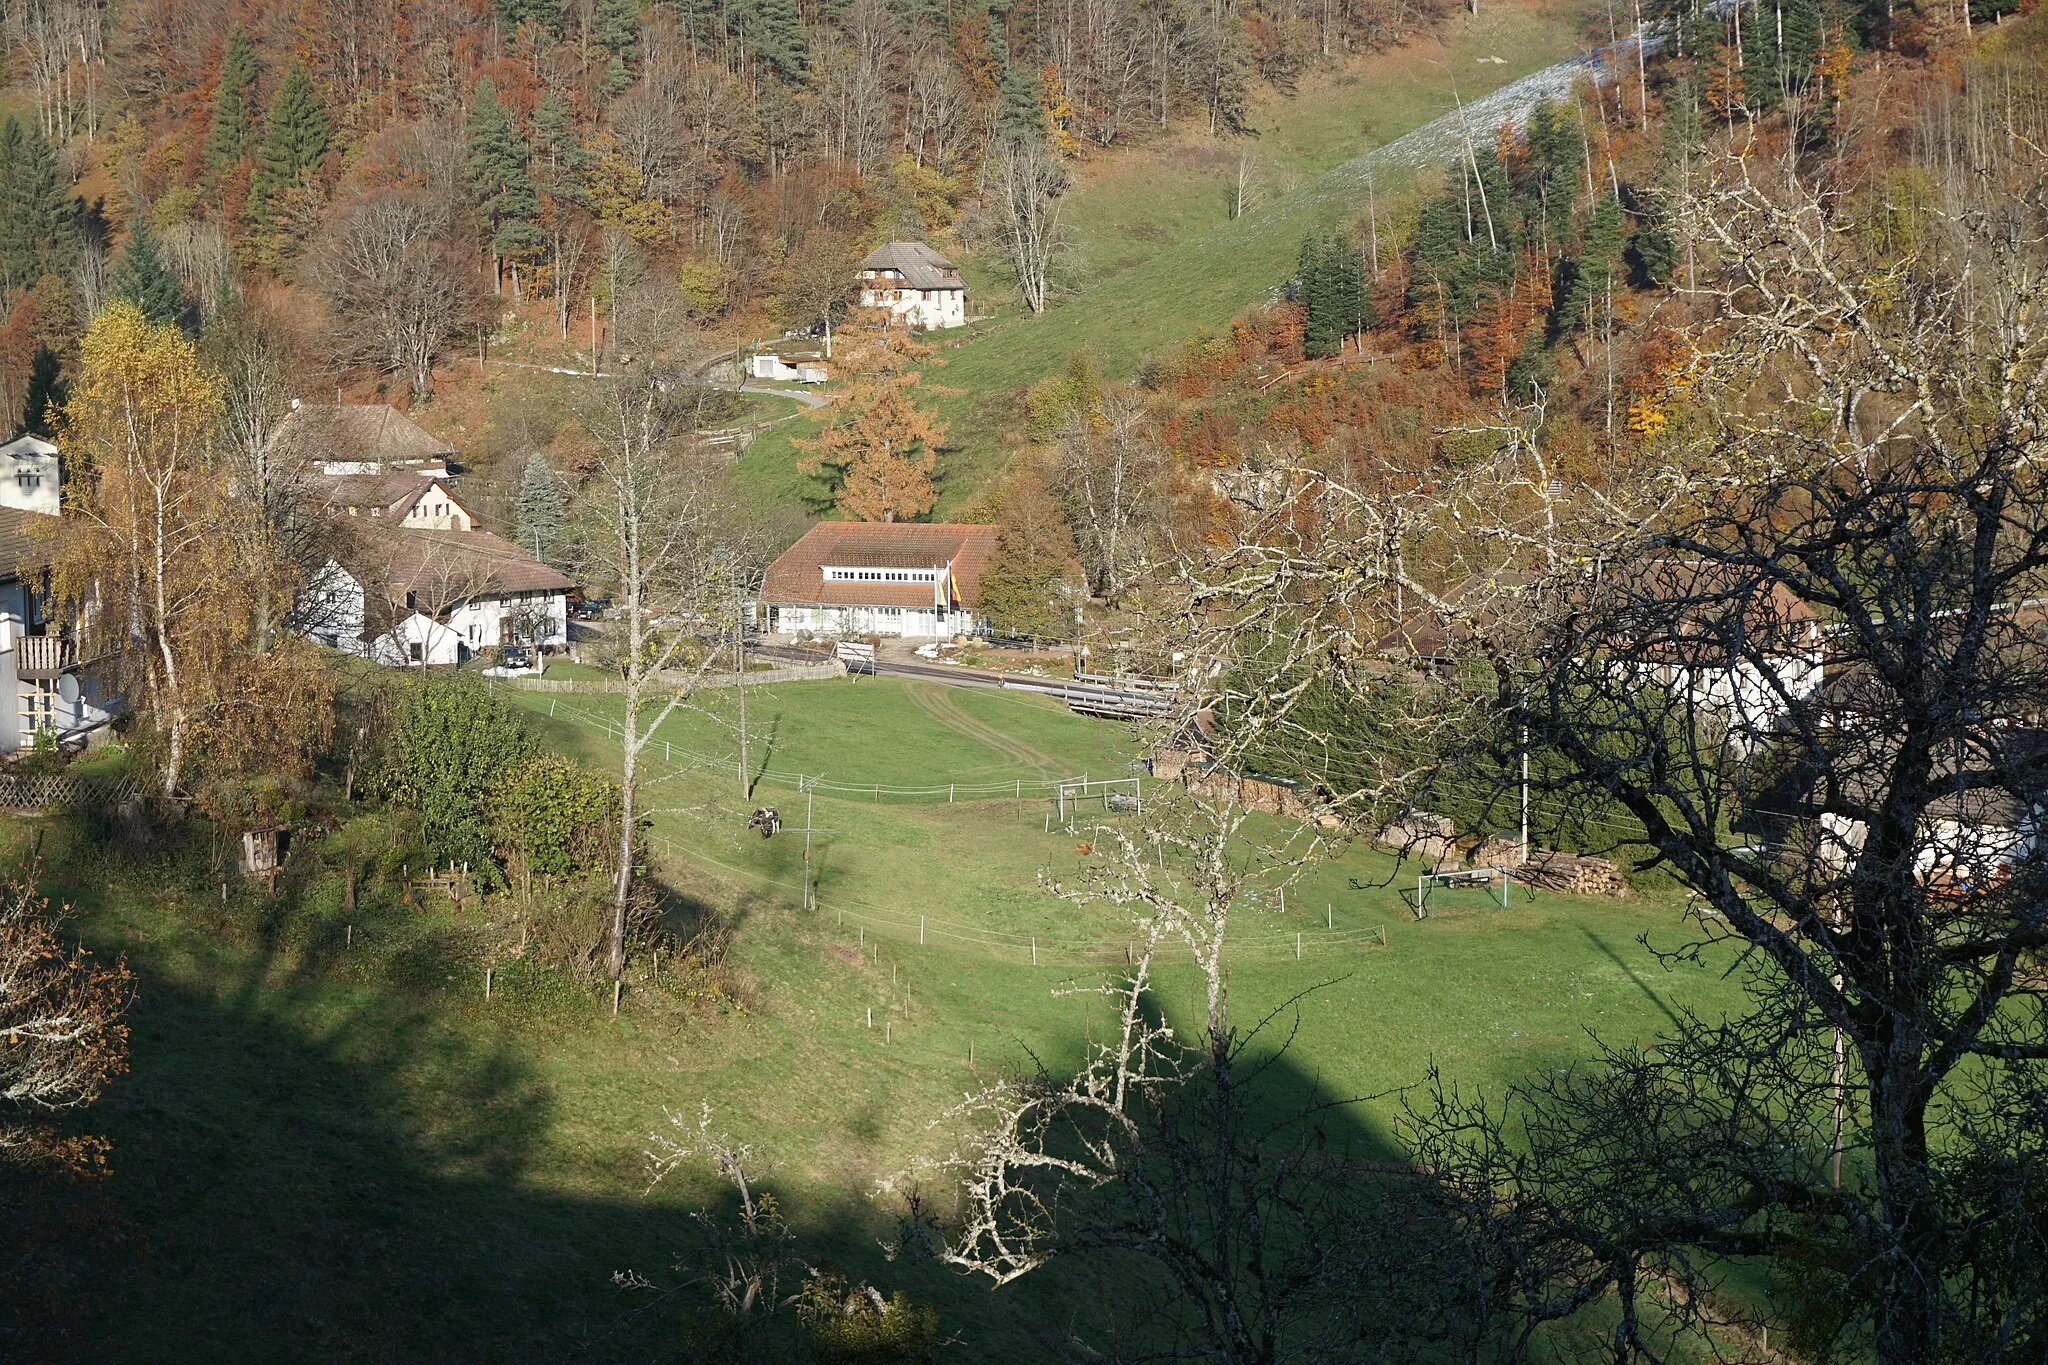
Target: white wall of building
[[487, 622], [437, 510], [926, 309], [911, 623], [29, 477], [419, 641]]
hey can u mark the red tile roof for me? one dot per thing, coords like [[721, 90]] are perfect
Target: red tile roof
[[798, 575]]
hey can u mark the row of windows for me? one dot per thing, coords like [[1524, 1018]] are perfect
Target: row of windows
[[882, 575]]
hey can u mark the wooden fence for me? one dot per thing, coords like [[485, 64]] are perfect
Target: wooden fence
[[65, 791]]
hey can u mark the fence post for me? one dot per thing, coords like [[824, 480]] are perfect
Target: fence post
[[1297, 945], [920, 931], [551, 708], [487, 983], [1034, 950], [949, 793]]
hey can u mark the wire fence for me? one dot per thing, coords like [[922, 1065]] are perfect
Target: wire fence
[[1039, 950]]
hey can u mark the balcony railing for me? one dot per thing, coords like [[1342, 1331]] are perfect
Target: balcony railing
[[45, 656]]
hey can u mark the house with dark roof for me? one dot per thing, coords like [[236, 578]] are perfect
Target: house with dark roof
[[880, 578], [914, 282]]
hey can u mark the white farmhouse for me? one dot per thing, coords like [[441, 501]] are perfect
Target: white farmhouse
[[429, 597], [880, 578], [46, 665], [914, 282]]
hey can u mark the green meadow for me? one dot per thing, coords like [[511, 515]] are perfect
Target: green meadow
[[332, 1146]]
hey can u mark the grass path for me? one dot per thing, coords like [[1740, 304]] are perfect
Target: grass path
[[939, 702]]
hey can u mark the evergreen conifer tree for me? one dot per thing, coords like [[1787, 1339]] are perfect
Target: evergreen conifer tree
[[1334, 291], [1023, 115], [36, 211], [232, 132], [774, 32], [139, 277], [546, 14], [1317, 296], [1597, 271], [540, 512], [46, 394], [494, 175], [295, 134]]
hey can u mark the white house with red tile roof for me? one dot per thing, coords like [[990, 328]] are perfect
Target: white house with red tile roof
[[880, 578]]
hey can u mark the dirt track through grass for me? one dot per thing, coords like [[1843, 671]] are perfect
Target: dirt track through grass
[[934, 700]]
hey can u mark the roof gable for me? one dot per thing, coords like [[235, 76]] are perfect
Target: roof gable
[[798, 573]]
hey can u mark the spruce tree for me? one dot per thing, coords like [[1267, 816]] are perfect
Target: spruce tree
[[494, 176], [540, 512], [232, 132], [546, 14], [295, 134], [1597, 272], [555, 142], [774, 32], [139, 277], [1023, 115], [46, 394], [1316, 292], [36, 211]]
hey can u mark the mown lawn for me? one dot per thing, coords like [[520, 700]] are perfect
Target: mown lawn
[[339, 1150]]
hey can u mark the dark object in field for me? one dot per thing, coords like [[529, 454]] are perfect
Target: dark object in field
[[767, 819]]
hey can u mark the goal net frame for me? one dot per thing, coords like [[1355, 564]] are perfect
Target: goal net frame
[[1075, 790], [1494, 882]]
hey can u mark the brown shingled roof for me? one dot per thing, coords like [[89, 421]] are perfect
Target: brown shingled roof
[[797, 576], [24, 543], [356, 431], [442, 568]]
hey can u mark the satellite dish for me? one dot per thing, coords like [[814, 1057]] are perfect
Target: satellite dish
[[67, 689]]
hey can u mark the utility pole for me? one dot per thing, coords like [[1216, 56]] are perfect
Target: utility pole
[[1525, 793], [809, 904], [739, 682]]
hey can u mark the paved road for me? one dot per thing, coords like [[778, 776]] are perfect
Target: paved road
[[803, 396]]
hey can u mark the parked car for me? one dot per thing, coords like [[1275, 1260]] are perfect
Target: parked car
[[515, 656], [592, 608]]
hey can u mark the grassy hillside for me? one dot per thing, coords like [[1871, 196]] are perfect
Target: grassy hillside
[[1158, 256], [335, 1148]]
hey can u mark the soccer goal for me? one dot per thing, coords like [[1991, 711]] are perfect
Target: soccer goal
[[1464, 885], [1117, 795]]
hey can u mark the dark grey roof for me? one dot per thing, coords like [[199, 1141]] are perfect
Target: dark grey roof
[[917, 265]]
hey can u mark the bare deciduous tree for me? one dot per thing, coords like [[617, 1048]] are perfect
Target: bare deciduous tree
[[1028, 185], [399, 291], [653, 524], [61, 1035]]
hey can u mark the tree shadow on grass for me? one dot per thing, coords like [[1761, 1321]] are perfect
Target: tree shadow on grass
[[320, 1166]]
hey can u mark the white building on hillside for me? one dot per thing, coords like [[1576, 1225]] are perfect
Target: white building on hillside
[[880, 578], [435, 597], [914, 282]]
